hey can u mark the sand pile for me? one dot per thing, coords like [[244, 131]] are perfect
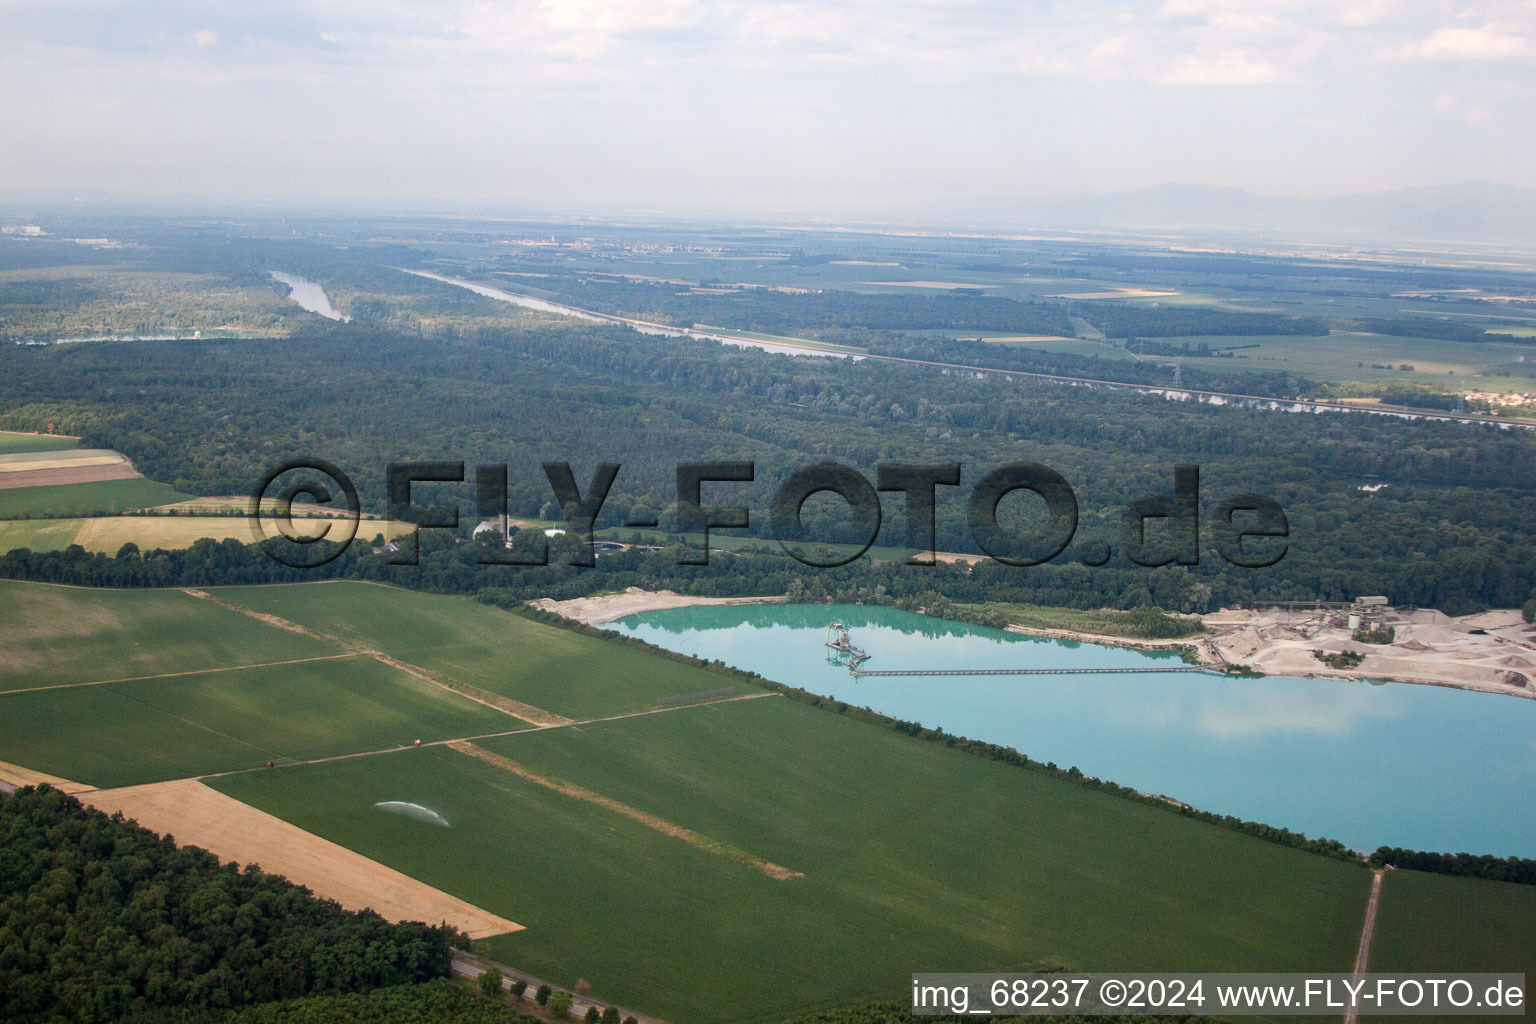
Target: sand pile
[[1501, 618], [1431, 634], [1428, 617]]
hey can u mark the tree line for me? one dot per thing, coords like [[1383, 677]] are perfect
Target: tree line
[[1519, 870]]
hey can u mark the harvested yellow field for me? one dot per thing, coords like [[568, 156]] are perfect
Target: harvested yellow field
[[50, 467], [109, 533], [209, 506], [239, 504], [1118, 293], [16, 775], [946, 285], [233, 831], [15, 464], [106, 534]]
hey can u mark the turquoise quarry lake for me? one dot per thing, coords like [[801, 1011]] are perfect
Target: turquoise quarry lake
[[1369, 764]]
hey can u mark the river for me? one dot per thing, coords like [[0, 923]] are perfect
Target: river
[[643, 326], [1180, 394], [309, 295], [1369, 764]]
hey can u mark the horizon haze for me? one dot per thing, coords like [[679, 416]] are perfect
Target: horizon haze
[[849, 109]]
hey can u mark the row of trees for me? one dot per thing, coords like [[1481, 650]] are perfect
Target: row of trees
[[559, 1003], [1519, 870], [448, 565], [900, 1012]]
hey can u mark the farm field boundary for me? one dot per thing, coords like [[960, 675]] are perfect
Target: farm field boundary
[[203, 817], [652, 821], [506, 705]]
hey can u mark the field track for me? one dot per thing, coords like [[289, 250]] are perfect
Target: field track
[[506, 705], [233, 831], [466, 739], [189, 672], [651, 821], [1367, 934]]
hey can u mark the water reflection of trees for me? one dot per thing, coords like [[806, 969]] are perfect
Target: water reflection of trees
[[676, 621]]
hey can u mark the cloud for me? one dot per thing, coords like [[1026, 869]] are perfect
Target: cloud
[[618, 16], [1113, 46], [789, 24], [1340, 710], [1448, 103], [1219, 67], [1485, 43], [1185, 9], [1365, 12], [556, 97]]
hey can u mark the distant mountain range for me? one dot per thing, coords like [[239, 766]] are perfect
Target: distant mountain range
[[1471, 212]]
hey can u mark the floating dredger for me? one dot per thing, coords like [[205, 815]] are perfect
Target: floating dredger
[[839, 640]]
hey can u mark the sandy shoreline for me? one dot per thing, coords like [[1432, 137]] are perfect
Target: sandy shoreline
[[594, 611], [1494, 652], [1107, 639]]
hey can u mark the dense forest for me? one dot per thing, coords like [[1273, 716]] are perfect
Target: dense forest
[[1448, 530], [101, 919]]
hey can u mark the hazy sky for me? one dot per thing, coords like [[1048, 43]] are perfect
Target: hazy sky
[[841, 104]]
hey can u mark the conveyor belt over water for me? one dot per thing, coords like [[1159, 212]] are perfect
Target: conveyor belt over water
[[1016, 671]]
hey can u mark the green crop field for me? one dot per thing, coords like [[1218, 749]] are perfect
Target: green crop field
[[15, 442], [58, 635], [554, 669], [149, 730], [1442, 923], [911, 855], [1096, 348], [20, 460], [1447, 365], [95, 498], [915, 857], [38, 534]]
